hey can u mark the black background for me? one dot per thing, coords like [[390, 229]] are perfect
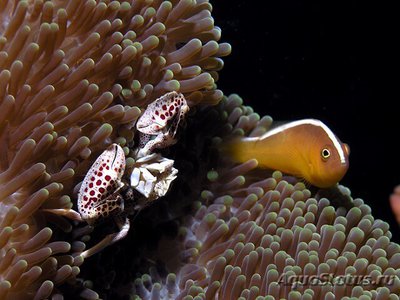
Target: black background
[[329, 60]]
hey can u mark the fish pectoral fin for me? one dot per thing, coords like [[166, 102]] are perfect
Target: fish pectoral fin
[[307, 174]]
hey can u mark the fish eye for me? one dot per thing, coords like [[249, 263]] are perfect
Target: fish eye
[[325, 153]]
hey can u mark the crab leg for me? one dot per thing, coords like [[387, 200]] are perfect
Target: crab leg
[[69, 213], [123, 224]]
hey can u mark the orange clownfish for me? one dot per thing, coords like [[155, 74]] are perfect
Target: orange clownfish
[[306, 148]]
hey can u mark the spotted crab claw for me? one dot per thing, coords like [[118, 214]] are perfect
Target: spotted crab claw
[[169, 107], [103, 180], [160, 121]]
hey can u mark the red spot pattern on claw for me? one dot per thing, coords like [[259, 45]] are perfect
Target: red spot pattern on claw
[[101, 180], [159, 111]]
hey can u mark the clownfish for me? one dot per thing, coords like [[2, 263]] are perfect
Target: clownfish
[[307, 149]]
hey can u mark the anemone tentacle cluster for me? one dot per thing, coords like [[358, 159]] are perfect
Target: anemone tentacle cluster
[[74, 76], [260, 236]]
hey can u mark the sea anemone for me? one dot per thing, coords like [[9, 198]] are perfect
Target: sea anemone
[[74, 76]]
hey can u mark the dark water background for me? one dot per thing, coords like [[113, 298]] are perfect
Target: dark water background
[[329, 60]]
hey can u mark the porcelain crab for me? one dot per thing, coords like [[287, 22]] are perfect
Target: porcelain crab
[[107, 192]]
